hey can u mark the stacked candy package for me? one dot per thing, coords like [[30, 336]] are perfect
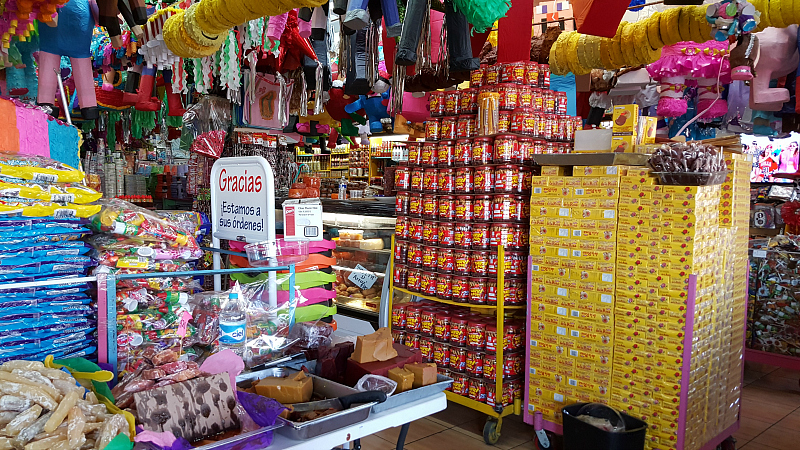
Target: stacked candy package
[[149, 310], [43, 211]]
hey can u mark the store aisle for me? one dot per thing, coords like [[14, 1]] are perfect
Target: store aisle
[[770, 420]]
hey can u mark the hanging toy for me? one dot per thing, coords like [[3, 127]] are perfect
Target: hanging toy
[[736, 20], [689, 64], [71, 37], [732, 18]]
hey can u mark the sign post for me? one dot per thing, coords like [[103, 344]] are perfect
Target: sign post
[[243, 208]]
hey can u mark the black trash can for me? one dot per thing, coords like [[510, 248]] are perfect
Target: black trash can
[[579, 435]]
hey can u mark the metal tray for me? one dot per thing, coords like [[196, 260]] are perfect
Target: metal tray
[[591, 159], [323, 388], [413, 395], [253, 439]]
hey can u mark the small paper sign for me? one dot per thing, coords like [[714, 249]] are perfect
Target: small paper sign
[[362, 277], [184, 324]]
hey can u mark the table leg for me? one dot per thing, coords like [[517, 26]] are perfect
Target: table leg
[[401, 440]]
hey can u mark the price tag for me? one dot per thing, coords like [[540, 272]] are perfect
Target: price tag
[[362, 277], [184, 324], [759, 253]]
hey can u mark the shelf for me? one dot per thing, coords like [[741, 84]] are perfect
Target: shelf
[[381, 157], [481, 407], [450, 302], [378, 273], [347, 303], [354, 249]]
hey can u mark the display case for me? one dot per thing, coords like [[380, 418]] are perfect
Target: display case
[[363, 250], [772, 320]]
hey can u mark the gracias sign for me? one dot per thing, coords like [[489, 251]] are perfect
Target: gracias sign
[[242, 199]]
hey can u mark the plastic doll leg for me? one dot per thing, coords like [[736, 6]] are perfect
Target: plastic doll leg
[[391, 18], [174, 103], [458, 41], [707, 89], [356, 82], [671, 103], [412, 29], [48, 65], [84, 83], [108, 17], [146, 100], [357, 16], [304, 22]]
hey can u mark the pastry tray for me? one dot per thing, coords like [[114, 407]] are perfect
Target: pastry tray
[[322, 388], [395, 400]]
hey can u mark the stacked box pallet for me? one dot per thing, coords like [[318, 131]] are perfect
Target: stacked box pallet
[[573, 252], [666, 234], [734, 223]]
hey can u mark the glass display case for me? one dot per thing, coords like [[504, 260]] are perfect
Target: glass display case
[[363, 252]]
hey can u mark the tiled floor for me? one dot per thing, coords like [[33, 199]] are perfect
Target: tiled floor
[[770, 420]]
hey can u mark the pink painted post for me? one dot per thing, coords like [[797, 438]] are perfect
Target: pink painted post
[[102, 320], [687, 359], [526, 415]]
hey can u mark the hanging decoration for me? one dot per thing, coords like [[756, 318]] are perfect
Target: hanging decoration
[[229, 75], [690, 64], [732, 18], [200, 30], [17, 17], [634, 44], [482, 14]]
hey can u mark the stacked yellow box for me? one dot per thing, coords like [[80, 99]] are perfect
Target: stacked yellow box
[[734, 215], [573, 251], [666, 234]]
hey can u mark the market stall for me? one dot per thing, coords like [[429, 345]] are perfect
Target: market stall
[[518, 207]]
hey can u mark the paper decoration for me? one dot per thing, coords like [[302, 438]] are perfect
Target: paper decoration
[[33, 133], [9, 134]]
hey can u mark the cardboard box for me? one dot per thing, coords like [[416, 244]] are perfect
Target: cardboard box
[[623, 144], [626, 119], [647, 129]]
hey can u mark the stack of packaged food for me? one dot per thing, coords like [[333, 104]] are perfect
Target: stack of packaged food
[[463, 344], [149, 310], [526, 114], [43, 217]]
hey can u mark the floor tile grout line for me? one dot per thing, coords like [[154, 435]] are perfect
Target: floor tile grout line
[[773, 424]]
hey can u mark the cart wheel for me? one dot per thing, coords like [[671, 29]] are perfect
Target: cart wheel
[[490, 434], [728, 444], [550, 437]]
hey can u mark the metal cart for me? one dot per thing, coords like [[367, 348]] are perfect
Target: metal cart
[[495, 414]]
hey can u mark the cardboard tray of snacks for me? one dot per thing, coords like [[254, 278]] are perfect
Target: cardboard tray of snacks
[[412, 395]]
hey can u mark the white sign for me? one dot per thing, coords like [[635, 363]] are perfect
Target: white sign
[[241, 204], [302, 219], [362, 277]]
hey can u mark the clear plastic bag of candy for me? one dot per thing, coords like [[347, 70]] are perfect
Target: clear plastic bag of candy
[[123, 218], [123, 246], [204, 126]]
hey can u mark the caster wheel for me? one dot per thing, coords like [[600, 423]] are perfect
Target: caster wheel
[[490, 433], [551, 438]]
